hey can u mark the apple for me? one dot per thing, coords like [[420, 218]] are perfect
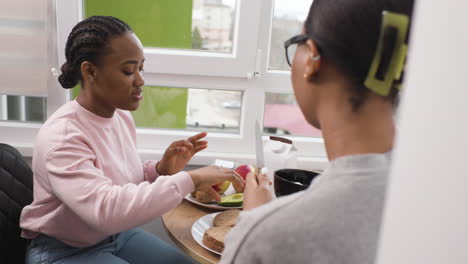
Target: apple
[[221, 187], [242, 170]]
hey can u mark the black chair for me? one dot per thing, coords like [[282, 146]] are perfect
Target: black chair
[[16, 191]]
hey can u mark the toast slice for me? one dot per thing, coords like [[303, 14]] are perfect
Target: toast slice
[[214, 237], [227, 218]]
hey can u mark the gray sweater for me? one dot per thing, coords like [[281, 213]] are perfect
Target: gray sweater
[[335, 221]]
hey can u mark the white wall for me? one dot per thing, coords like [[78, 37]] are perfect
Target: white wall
[[426, 220]]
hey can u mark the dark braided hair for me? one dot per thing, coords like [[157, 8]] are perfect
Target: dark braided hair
[[88, 41], [347, 32]]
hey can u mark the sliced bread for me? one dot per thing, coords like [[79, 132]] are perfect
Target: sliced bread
[[226, 218], [214, 237]]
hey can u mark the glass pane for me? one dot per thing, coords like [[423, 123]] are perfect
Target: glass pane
[[284, 117], [181, 24], [35, 109], [190, 109], [22, 108], [214, 110], [288, 20]]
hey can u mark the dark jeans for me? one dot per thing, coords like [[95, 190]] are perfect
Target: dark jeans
[[132, 246]]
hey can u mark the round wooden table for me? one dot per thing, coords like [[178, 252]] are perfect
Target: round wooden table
[[178, 224]]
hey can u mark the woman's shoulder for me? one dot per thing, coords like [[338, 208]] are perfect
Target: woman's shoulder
[[300, 228], [60, 127], [59, 119], [65, 111]]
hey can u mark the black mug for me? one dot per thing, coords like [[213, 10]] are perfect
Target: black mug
[[288, 181]]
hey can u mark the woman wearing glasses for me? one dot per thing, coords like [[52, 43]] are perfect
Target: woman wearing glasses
[[346, 74]]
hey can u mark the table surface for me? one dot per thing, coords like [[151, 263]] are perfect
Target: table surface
[[178, 223]]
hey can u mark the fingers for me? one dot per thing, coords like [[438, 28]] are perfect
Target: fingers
[[200, 143], [214, 194], [199, 148], [263, 180], [180, 147], [238, 175], [193, 144], [182, 143], [251, 180], [232, 176], [197, 137], [237, 182], [238, 187], [238, 178], [176, 150]]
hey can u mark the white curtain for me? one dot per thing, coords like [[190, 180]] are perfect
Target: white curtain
[[24, 49]]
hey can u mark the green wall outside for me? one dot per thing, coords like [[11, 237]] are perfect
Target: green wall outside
[[158, 23]]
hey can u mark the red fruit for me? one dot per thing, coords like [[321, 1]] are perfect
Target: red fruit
[[243, 170]]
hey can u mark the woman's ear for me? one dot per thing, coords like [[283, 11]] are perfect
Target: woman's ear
[[313, 60], [88, 71]]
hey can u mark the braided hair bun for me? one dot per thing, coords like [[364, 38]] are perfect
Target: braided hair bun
[[88, 40]]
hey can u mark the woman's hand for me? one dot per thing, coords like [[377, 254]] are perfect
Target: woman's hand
[[206, 177], [179, 153], [258, 190]]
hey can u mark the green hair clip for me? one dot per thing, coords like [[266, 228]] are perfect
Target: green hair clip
[[387, 67]]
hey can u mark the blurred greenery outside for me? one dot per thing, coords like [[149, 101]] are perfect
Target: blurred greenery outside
[[164, 24]]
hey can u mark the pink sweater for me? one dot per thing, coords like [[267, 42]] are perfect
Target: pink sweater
[[89, 181]]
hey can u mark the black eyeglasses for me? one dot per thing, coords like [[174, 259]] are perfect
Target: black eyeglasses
[[290, 48], [298, 39]]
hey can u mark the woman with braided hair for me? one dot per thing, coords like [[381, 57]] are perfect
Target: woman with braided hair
[[91, 190], [346, 75]]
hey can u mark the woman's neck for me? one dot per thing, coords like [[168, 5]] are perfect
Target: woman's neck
[[94, 105], [369, 130]]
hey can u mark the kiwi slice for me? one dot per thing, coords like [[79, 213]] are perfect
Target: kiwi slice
[[232, 200]]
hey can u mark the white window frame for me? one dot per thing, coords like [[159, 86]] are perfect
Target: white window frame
[[274, 81], [248, 74], [177, 61]]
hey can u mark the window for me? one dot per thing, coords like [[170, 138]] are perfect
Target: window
[[22, 108], [214, 110], [209, 24], [280, 20], [190, 109], [27, 51], [224, 27], [23, 54], [211, 65], [288, 19], [213, 25], [23, 60]]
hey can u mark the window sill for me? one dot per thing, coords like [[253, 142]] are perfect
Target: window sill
[[202, 158]]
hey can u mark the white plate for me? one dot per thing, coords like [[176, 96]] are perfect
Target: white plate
[[214, 205], [199, 228]]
